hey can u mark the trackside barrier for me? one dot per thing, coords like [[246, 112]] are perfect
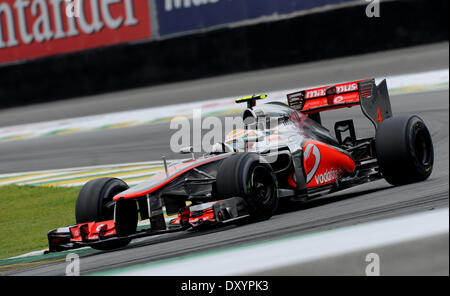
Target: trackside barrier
[[123, 45]]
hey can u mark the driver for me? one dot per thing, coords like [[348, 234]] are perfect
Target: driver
[[235, 141]]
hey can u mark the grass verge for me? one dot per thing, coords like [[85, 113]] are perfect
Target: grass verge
[[28, 213]]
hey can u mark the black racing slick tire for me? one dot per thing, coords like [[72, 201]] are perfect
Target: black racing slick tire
[[94, 205], [245, 175], [404, 150]]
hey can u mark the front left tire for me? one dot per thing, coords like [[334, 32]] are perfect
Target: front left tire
[[94, 205]]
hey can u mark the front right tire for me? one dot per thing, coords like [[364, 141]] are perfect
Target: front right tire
[[245, 175]]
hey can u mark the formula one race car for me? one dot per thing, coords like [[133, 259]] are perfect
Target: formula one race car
[[283, 152]]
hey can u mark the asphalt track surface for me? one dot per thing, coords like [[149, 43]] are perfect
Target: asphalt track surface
[[367, 202], [150, 142]]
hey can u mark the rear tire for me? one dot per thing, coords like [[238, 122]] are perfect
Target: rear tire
[[404, 150], [244, 175], [91, 206]]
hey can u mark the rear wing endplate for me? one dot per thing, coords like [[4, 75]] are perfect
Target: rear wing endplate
[[373, 99]]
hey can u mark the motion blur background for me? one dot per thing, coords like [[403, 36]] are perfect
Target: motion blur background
[[116, 45], [92, 95]]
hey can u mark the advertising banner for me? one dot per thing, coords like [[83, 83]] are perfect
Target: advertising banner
[[178, 16], [37, 28]]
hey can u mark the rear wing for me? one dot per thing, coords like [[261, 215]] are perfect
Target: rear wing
[[373, 99]]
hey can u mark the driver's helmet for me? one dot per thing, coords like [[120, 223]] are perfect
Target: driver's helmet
[[236, 139]]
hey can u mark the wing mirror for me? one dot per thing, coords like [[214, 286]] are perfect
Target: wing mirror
[[187, 150]]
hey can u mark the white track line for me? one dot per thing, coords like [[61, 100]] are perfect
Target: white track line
[[142, 116], [273, 255], [95, 167]]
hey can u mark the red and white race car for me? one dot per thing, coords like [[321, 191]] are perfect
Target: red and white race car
[[294, 157]]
